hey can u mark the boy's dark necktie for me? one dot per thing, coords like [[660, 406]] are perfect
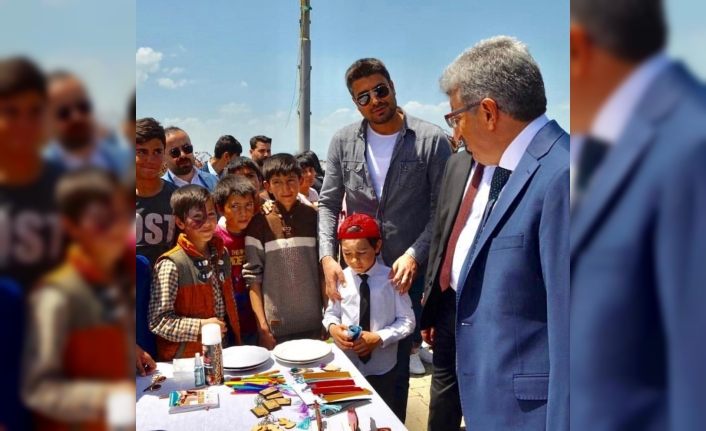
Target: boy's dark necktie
[[364, 320]]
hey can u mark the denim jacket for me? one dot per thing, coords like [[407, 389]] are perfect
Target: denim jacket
[[409, 193]]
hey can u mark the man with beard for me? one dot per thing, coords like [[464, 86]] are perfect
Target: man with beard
[[260, 149], [73, 125], [388, 166], [181, 164]]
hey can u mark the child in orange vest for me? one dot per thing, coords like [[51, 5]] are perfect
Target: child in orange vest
[[192, 282], [80, 340]]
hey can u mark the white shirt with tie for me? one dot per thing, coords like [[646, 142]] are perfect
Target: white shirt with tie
[[391, 316], [509, 160]]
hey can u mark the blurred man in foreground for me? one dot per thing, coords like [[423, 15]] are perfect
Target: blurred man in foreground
[[638, 242]]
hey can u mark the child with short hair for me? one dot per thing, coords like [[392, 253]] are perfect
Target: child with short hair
[[246, 168], [282, 263], [235, 198], [192, 282], [370, 301], [80, 338]]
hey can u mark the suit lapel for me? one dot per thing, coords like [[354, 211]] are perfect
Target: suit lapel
[[608, 178], [658, 101], [541, 143]]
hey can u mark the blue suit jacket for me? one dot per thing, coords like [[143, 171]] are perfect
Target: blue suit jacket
[[512, 327], [638, 270]]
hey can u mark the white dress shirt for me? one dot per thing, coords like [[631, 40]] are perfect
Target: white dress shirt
[[181, 183], [509, 160], [391, 316], [615, 113]]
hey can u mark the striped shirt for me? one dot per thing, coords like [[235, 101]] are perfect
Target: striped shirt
[[281, 250]]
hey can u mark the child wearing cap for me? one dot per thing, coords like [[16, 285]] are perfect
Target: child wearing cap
[[368, 300]]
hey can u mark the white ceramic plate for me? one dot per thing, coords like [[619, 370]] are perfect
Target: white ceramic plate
[[240, 357], [301, 351]]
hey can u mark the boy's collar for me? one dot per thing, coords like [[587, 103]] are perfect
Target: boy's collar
[[190, 248], [282, 210], [83, 263]]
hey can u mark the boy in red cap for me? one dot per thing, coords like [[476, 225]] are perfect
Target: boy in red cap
[[383, 315]]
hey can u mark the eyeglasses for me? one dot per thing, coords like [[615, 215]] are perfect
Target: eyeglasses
[[83, 107], [176, 151], [452, 117], [155, 385], [380, 92], [242, 208]]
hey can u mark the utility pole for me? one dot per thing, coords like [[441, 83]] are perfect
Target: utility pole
[[304, 76]]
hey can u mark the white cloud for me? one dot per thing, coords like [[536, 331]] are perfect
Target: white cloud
[[234, 109], [243, 84], [172, 84], [147, 61], [173, 70]]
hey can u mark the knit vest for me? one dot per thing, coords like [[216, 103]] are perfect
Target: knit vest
[[195, 299], [94, 350]]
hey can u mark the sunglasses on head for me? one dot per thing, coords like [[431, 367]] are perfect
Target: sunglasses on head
[[176, 151], [380, 92], [65, 112]]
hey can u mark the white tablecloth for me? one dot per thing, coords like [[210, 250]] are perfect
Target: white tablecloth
[[234, 410]]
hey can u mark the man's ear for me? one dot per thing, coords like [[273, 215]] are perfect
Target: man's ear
[[180, 223], [579, 49], [489, 110]]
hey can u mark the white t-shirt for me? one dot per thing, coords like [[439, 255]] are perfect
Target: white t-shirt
[[379, 154]]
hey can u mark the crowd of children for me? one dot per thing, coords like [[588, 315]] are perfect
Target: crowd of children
[[246, 257]]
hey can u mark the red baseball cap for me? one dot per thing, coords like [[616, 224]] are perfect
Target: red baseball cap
[[358, 226]]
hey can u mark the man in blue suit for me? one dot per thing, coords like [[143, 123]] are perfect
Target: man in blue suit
[[638, 228], [501, 243]]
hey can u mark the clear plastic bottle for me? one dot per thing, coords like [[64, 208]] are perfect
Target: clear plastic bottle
[[199, 374]]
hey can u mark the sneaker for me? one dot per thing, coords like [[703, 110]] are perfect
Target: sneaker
[[426, 355], [415, 364]]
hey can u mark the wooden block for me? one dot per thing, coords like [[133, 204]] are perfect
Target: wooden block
[[268, 391], [284, 401], [272, 405], [260, 411], [274, 396], [331, 368]]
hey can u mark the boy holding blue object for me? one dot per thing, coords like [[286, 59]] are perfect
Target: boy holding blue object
[[371, 302]]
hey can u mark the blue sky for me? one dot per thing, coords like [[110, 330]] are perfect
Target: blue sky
[[93, 38], [230, 66]]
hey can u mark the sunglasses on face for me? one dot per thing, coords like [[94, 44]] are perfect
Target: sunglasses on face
[[65, 112], [380, 92], [176, 151]]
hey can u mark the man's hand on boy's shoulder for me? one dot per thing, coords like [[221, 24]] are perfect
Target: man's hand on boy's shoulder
[[341, 337], [333, 275], [366, 343]]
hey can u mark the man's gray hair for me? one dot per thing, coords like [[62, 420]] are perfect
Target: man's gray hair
[[500, 68]]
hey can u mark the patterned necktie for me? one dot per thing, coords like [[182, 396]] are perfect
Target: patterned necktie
[[593, 151], [364, 320], [500, 177], [464, 212]]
